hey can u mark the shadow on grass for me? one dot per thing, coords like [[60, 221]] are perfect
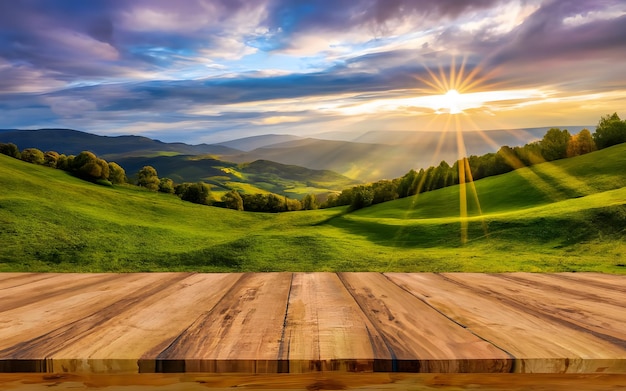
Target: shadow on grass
[[556, 232], [257, 253]]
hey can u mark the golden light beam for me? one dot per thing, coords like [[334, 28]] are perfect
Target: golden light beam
[[475, 194], [550, 180], [529, 175], [420, 185], [460, 143]]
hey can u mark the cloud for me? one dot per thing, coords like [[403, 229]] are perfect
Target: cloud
[[545, 36], [233, 65]]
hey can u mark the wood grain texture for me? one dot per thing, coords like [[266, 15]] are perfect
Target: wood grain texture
[[272, 323], [419, 338], [518, 319], [326, 329], [242, 333]]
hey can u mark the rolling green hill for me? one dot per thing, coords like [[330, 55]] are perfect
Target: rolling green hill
[[260, 176], [187, 163], [568, 215]]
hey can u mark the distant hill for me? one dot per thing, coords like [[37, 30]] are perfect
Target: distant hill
[[254, 142], [72, 142], [265, 175], [389, 154], [186, 163], [371, 156], [366, 162]]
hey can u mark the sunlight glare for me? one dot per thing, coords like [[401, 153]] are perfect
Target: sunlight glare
[[452, 100]]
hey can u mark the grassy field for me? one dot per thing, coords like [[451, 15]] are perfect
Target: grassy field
[[568, 215]]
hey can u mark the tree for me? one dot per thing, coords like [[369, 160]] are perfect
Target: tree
[[51, 158], [363, 197], [292, 204], [331, 201], [407, 184], [504, 161], [65, 163], [384, 190], [529, 154], [441, 176], [88, 166], [254, 202], [32, 155], [10, 149], [554, 144], [610, 131], [198, 193], [147, 177], [309, 202], [116, 173], [581, 144], [233, 200], [274, 203], [166, 185]]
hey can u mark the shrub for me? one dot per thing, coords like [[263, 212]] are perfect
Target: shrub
[[32, 155]]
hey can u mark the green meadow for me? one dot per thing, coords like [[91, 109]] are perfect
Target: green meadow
[[567, 215]]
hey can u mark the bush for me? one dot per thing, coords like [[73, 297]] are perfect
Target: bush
[[32, 155], [88, 166], [198, 193], [117, 174], [10, 149], [148, 178], [233, 200]]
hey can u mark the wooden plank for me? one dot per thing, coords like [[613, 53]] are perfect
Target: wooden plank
[[242, 333], [145, 330], [539, 344], [598, 311], [38, 318], [302, 322], [326, 329], [315, 381], [420, 338], [34, 332]]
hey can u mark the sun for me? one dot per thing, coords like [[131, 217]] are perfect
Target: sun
[[452, 101]]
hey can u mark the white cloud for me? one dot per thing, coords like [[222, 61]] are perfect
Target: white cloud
[[593, 16]]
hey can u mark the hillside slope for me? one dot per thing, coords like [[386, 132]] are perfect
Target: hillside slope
[[51, 221], [255, 177]]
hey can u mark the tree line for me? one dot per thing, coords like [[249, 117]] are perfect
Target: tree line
[[200, 193], [555, 144], [85, 165]]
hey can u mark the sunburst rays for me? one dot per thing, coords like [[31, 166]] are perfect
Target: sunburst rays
[[464, 80]]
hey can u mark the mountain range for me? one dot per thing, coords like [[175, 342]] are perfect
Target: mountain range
[[368, 157]]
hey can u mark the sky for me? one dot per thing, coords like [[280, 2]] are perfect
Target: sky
[[215, 70]]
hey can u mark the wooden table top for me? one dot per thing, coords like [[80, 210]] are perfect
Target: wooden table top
[[308, 322]]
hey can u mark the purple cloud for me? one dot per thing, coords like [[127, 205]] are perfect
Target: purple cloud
[[155, 59]]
